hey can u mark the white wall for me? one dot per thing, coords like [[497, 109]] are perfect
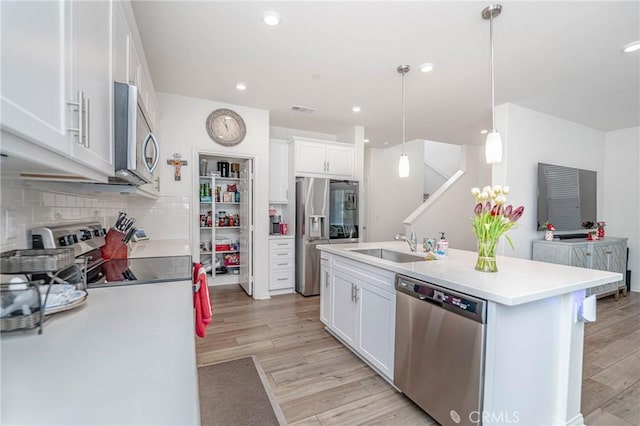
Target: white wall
[[530, 137], [621, 203], [182, 130], [276, 132], [392, 199], [452, 211], [441, 160]]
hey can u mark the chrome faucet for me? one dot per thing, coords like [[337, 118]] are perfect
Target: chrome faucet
[[412, 241]]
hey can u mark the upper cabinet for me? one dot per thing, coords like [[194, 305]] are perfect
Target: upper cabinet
[[323, 158], [34, 55], [56, 87], [91, 84], [278, 172]]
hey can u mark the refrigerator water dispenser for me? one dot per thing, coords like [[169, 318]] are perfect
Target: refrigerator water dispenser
[[316, 225]]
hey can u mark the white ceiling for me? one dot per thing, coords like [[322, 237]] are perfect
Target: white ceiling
[[561, 58]]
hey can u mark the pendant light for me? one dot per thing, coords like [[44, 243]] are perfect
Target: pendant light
[[403, 164], [493, 147]]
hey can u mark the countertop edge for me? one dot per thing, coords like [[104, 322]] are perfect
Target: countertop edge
[[589, 278]]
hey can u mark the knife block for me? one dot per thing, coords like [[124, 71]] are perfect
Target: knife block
[[114, 248]]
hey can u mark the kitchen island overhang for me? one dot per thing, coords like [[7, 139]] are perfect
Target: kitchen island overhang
[[534, 340]]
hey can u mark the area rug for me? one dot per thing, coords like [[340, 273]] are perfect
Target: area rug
[[237, 392]]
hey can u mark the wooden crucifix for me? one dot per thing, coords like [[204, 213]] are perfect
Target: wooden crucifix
[[177, 164]]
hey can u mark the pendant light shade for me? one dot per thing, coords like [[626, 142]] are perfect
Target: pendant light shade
[[493, 147], [403, 164]]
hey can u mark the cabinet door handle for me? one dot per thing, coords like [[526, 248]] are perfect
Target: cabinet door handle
[[328, 166], [87, 128], [608, 252], [80, 108], [353, 292], [158, 184], [326, 279], [356, 298]]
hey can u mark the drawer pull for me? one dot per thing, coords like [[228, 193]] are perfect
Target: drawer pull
[[282, 264], [283, 254], [282, 244], [282, 279]]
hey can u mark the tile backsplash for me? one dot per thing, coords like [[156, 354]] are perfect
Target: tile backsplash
[[36, 204], [40, 203]]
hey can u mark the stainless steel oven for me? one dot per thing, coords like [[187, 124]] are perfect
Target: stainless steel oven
[[136, 151]]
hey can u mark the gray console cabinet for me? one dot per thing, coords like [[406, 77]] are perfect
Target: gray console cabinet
[[607, 254]]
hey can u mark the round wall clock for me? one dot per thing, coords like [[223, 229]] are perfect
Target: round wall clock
[[226, 127]]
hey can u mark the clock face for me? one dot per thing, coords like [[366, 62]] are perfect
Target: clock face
[[226, 127]]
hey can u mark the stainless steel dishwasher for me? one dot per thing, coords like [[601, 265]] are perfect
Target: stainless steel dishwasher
[[439, 352]]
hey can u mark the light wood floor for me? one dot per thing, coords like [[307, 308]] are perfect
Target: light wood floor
[[317, 381]]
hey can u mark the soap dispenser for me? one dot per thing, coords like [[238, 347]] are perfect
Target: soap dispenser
[[442, 248]]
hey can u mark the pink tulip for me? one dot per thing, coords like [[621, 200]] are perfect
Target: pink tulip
[[478, 209], [508, 210], [517, 213], [496, 210], [487, 207]]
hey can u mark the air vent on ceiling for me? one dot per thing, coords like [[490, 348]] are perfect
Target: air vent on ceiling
[[300, 108]]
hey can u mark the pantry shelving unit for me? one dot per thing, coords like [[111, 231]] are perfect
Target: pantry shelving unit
[[222, 264]]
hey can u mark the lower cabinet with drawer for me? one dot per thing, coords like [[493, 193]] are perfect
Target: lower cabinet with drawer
[[358, 306], [281, 265]]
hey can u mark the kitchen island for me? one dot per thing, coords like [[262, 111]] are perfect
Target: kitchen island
[[533, 341], [126, 356]]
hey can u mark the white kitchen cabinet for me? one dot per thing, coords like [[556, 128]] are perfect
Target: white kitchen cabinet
[[57, 89], [91, 84], [278, 172], [376, 322], [135, 66], [325, 289], [608, 254], [362, 309], [340, 160], [323, 158], [282, 265], [345, 308], [121, 42], [34, 55]]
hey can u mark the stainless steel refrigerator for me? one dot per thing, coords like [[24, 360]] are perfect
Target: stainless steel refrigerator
[[312, 228]]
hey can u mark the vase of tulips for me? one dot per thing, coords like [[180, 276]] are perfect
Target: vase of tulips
[[492, 218]]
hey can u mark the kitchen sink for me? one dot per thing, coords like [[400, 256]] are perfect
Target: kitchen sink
[[390, 255]]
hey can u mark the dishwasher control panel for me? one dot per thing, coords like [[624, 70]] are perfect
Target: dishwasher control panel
[[462, 304]]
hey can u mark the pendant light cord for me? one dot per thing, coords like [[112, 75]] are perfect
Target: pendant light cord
[[493, 100], [403, 136]]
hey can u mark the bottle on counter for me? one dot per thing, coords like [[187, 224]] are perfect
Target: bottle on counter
[[442, 247]]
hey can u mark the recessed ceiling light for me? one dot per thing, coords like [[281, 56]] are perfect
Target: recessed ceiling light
[[241, 86], [271, 18], [484, 131], [356, 109], [426, 67], [631, 47], [366, 141], [386, 143]]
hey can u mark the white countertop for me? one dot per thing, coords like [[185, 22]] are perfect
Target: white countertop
[[279, 236], [159, 248], [517, 281], [125, 357]]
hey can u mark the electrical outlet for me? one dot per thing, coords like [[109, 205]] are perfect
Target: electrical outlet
[[9, 221]]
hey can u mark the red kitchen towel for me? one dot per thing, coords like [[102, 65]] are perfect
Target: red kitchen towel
[[201, 301]]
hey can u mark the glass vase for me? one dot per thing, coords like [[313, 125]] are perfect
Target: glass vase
[[487, 256]]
